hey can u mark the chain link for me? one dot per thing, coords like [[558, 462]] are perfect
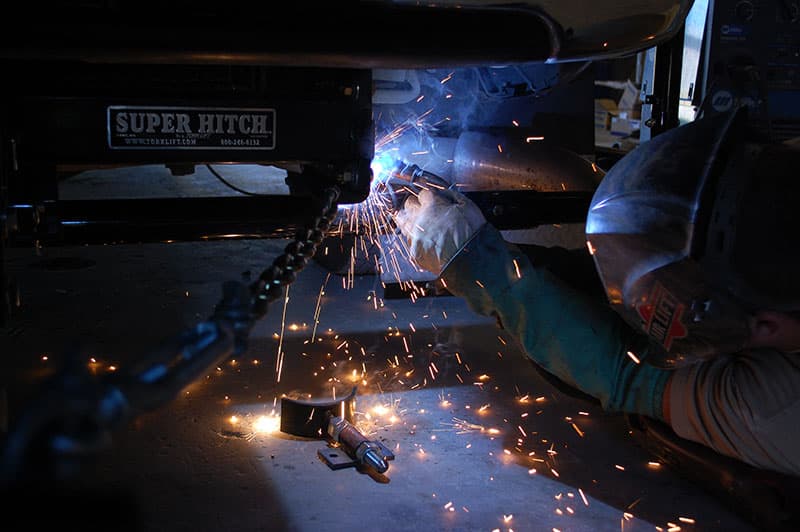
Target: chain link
[[284, 269]]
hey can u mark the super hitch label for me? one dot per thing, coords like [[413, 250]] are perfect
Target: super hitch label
[[190, 128]]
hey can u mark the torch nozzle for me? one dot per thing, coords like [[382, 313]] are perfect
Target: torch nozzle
[[417, 176]]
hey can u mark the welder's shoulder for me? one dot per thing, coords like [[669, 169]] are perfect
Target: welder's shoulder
[[745, 405], [767, 381], [773, 396], [763, 388], [769, 374]]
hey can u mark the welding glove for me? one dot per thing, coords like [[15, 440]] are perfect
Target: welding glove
[[578, 339], [436, 225]]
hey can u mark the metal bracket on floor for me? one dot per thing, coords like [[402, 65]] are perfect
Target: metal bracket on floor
[[333, 421]]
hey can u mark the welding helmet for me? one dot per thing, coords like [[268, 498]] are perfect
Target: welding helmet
[[693, 231]]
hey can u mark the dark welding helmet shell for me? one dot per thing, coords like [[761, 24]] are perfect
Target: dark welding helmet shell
[[662, 230]]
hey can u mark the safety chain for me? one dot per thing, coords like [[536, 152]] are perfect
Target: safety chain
[[242, 306], [296, 255]]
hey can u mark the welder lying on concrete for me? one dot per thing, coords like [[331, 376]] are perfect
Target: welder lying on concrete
[[694, 237]]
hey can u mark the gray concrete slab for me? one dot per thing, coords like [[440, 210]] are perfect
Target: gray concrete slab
[[482, 441]]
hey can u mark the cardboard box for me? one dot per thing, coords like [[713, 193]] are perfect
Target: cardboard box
[[629, 102], [604, 110], [623, 126]]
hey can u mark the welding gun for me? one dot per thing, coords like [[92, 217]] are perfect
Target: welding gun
[[405, 179], [413, 174]]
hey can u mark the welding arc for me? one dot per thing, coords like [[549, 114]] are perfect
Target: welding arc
[[231, 185]]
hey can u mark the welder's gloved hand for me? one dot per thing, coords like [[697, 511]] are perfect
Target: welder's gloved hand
[[396, 191], [437, 224]]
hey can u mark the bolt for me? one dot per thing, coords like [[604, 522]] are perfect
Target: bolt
[[377, 462]]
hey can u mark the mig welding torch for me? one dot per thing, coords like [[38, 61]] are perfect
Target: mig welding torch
[[405, 179]]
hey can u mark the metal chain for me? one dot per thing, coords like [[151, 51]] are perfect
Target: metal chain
[[285, 268], [242, 306]]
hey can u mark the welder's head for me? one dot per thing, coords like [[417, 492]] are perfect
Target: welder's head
[[694, 234]]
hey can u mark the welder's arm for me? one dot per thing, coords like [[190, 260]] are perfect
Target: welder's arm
[[581, 341]]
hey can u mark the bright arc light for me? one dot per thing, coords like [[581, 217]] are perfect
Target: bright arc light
[[381, 165], [380, 410], [267, 424]]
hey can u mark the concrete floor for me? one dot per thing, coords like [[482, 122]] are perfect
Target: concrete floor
[[482, 441], [187, 466]]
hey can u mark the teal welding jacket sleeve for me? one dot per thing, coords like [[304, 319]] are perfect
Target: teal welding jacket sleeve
[[579, 340]]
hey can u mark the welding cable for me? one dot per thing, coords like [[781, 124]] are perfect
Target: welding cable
[[231, 185]]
